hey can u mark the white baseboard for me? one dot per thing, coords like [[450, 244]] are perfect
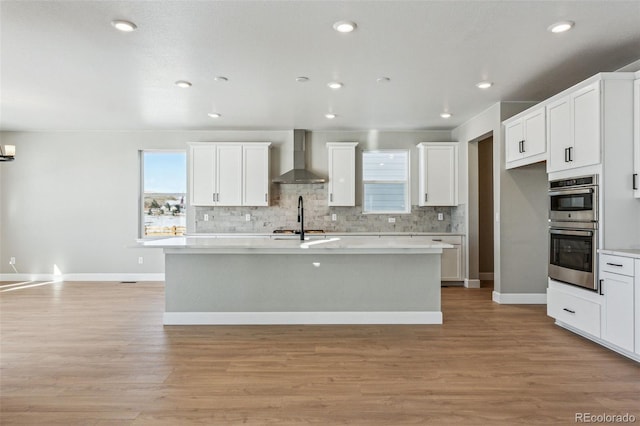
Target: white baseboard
[[486, 276], [520, 298], [471, 283], [83, 277], [298, 318]]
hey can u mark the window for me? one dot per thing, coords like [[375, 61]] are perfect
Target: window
[[164, 191], [385, 177]]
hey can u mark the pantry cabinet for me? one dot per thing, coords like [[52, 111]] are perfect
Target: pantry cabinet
[[342, 173], [438, 174], [525, 137], [573, 129], [229, 174]]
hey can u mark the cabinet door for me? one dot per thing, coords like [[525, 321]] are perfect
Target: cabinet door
[[439, 174], [535, 138], [202, 183], [618, 318], [636, 139], [256, 175], [586, 126], [229, 174], [342, 174], [514, 135], [451, 264], [637, 305], [559, 134]]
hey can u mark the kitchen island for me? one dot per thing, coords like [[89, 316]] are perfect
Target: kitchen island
[[282, 280]]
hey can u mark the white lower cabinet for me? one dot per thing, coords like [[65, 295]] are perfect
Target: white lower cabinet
[[570, 307], [451, 261], [617, 287], [611, 316], [637, 306]]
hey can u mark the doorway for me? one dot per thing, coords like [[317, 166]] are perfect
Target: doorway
[[485, 212]]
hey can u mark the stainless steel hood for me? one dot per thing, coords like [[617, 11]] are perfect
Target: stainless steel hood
[[299, 174]]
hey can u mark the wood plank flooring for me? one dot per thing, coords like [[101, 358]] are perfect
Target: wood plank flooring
[[97, 354]]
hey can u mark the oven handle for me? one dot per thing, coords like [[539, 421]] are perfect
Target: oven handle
[[571, 232], [571, 192]]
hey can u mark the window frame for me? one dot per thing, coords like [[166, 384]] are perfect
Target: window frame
[[141, 210], [407, 193]]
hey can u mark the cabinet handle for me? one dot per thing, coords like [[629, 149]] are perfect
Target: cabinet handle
[[570, 152], [436, 239], [213, 197], [566, 153], [601, 282], [266, 197], [615, 264], [635, 186], [217, 196], [569, 310], [426, 197], [331, 197]]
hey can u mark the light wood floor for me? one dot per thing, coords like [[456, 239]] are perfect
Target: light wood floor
[[97, 354]]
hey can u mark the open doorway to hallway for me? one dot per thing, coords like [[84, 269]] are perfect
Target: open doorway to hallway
[[485, 212]]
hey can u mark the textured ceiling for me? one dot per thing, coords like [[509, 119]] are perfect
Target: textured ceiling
[[64, 67]]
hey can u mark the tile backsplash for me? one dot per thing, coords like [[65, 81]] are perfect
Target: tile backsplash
[[283, 214]]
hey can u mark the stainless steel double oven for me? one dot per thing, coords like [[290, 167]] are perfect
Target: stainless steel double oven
[[573, 231]]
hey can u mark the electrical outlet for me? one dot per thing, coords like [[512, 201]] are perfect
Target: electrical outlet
[[334, 217], [440, 216], [140, 260], [206, 217], [392, 220], [247, 217], [12, 261]]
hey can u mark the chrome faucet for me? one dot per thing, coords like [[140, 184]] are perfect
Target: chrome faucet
[[301, 217]]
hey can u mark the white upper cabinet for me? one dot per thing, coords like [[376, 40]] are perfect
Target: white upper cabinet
[[526, 140], [636, 138], [573, 129], [342, 173], [202, 175], [438, 174], [229, 174], [256, 174]]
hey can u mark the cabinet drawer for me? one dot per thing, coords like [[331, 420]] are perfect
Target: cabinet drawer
[[616, 264], [447, 239], [573, 310]]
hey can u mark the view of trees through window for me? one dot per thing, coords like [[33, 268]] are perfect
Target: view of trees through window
[[164, 189]]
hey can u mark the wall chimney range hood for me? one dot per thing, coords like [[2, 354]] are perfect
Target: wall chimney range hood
[[299, 174]]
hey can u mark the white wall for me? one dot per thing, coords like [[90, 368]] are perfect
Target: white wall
[[520, 234], [71, 198]]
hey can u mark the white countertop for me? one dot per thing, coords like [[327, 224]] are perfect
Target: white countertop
[[291, 244], [635, 253]]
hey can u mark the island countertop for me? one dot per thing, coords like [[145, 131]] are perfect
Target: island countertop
[[291, 244]]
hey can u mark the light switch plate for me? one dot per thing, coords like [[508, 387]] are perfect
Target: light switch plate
[[247, 217], [206, 217], [440, 216], [334, 217], [392, 220]]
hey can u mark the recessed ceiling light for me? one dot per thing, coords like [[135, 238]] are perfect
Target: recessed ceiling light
[[383, 80], [484, 85], [124, 26], [445, 115], [330, 115], [344, 26], [560, 27], [335, 85], [214, 115], [302, 79], [221, 78], [183, 83]]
